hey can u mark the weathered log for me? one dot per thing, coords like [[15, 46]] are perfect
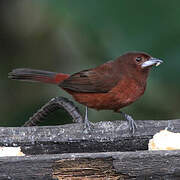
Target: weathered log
[[100, 166], [44, 147], [70, 138]]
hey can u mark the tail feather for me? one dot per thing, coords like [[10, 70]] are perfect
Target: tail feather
[[25, 74]]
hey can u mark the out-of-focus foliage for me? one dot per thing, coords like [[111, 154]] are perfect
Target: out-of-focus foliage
[[68, 36]]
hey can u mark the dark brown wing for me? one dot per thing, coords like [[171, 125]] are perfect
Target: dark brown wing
[[100, 80]]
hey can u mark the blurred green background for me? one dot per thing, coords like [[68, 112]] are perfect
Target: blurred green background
[[69, 36]]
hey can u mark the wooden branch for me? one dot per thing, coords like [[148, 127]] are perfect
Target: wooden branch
[[99, 166], [106, 137]]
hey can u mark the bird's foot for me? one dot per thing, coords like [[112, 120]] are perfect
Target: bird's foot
[[88, 127], [131, 123], [170, 126]]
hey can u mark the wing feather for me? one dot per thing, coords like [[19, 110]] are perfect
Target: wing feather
[[98, 80]]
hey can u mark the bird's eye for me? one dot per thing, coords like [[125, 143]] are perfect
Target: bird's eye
[[138, 59]]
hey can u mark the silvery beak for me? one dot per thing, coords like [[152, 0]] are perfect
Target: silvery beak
[[151, 62]]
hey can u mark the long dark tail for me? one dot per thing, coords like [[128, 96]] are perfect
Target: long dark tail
[[25, 74]]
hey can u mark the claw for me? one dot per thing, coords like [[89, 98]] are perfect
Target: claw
[[170, 126], [132, 124], [88, 127]]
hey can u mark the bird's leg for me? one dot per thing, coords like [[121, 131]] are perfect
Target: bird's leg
[[132, 124], [87, 123], [53, 105]]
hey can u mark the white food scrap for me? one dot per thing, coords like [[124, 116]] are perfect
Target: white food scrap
[[11, 151], [165, 140]]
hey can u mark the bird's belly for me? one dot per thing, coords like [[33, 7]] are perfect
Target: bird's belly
[[120, 96]]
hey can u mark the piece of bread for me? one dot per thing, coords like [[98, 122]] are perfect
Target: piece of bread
[[11, 151], [165, 140]]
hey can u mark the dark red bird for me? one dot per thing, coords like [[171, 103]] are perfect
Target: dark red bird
[[110, 86]]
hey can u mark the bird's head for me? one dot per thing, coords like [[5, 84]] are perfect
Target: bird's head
[[141, 61], [136, 65]]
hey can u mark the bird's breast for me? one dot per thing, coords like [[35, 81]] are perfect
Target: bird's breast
[[127, 91]]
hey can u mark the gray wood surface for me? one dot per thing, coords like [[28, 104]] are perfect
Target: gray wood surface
[[100, 166], [105, 137], [108, 152]]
